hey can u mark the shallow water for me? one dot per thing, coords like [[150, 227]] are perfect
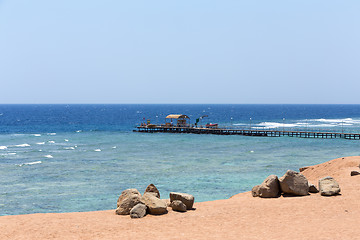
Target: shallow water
[[86, 157]]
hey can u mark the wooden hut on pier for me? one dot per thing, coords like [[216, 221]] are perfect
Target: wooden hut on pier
[[181, 120]]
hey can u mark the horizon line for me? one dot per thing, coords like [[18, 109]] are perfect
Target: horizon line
[[179, 103]]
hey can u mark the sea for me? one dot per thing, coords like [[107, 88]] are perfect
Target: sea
[[72, 158]]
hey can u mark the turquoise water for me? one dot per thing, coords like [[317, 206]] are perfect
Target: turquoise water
[[85, 167]]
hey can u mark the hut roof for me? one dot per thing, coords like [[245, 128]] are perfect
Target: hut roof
[[176, 116]]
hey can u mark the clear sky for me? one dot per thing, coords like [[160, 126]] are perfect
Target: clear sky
[[179, 51]]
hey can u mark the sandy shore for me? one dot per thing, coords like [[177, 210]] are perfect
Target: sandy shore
[[240, 217]]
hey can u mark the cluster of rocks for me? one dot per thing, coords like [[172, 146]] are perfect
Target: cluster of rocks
[[132, 203], [294, 184]]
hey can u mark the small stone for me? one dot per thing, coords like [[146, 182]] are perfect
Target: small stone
[[328, 186], [138, 211], [178, 206], [152, 188], [187, 199], [294, 183], [255, 191], [354, 173], [313, 188], [303, 168]]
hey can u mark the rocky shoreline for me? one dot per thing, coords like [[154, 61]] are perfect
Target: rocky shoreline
[[295, 184], [132, 203]]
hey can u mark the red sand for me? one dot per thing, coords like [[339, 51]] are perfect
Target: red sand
[[240, 217]]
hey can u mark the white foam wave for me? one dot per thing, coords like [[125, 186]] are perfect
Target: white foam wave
[[113, 147], [37, 135], [51, 141], [66, 140], [97, 150], [3, 147], [48, 156], [78, 131], [22, 145], [17, 134], [338, 121], [30, 163], [274, 125], [301, 124], [40, 143], [318, 125], [51, 134], [7, 154], [69, 148]]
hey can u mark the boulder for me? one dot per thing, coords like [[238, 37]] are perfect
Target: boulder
[[328, 186], [187, 199], [138, 211], [354, 173], [127, 200], [255, 191], [313, 188], [178, 206], [294, 183], [154, 205], [152, 188], [268, 189]]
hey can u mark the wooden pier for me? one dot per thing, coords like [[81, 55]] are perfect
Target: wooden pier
[[246, 132]]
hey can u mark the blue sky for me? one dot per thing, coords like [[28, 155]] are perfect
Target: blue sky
[[179, 51]]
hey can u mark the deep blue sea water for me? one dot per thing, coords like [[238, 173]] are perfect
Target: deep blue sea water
[[66, 158]]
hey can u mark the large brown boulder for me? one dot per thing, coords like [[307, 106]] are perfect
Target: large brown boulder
[[138, 211], [127, 200], [154, 205], [294, 183], [187, 199], [328, 186], [152, 188], [268, 189]]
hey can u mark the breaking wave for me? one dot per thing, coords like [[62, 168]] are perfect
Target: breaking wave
[[22, 145], [30, 163]]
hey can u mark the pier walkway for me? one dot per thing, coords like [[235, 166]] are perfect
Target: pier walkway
[[246, 132]]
